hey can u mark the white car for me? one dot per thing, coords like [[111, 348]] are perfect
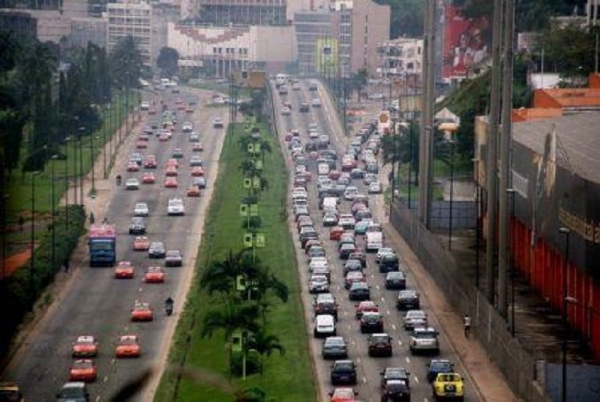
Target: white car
[[318, 284], [285, 111], [375, 187], [350, 193], [176, 207], [316, 102], [132, 184], [424, 339], [187, 126], [347, 221], [145, 105], [141, 209], [324, 326], [314, 134], [218, 122], [414, 319]]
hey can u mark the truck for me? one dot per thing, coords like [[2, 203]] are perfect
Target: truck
[[102, 243], [374, 241]]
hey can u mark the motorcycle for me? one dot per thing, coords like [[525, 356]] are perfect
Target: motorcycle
[[119, 179], [169, 306]]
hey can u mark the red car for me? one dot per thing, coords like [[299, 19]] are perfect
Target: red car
[[83, 370], [335, 174], [173, 162], [141, 144], [141, 312], [150, 162], [366, 306], [132, 166], [85, 346], [148, 178], [198, 147], [128, 346], [164, 137], [193, 191], [335, 233], [171, 171], [343, 394], [197, 171], [154, 275], [171, 182], [124, 270], [141, 243]]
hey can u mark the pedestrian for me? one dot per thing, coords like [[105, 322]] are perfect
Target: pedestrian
[[467, 325], [105, 221], [66, 265], [21, 222], [92, 218]]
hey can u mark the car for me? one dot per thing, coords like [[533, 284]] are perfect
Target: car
[[141, 312], [156, 250], [141, 209], [132, 184], [352, 264], [124, 270], [345, 250], [318, 284], [218, 122], [175, 207], [85, 346], [148, 178], [396, 391], [366, 306], [414, 318], [197, 171], [196, 160], [72, 391], [448, 386], [324, 326], [132, 166], [141, 144], [394, 374], [371, 322], [389, 263], [83, 370], [150, 162], [198, 147], [330, 219], [313, 86], [199, 182], [437, 366], [335, 232], [195, 137], [187, 126], [163, 137], [347, 221], [359, 291], [173, 258], [304, 107], [154, 275], [360, 228], [141, 243], [383, 251], [380, 344], [325, 304], [408, 299], [343, 372], [359, 255], [316, 251], [352, 277], [424, 340], [127, 346], [171, 171], [137, 226], [343, 394], [334, 347], [171, 182], [177, 153], [375, 187], [395, 280], [315, 102], [193, 191], [285, 111]]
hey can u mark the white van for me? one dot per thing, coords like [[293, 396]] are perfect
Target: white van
[[324, 326], [280, 79], [374, 241], [329, 203]]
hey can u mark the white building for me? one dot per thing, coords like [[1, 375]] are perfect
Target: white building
[[400, 58], [131, 19]]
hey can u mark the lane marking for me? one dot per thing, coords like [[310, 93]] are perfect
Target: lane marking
[[416, 380], [407, 359], [105, 379]]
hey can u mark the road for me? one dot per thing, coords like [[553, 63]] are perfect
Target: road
[[369, 368], [96, 303]]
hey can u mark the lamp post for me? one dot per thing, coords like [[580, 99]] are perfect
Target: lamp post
[[511, 194], [566, 232], [32, 242], [394, 156], [53, 207], [67, 183], [410, 160], [451, 142], [93, 191], [477, 223], [80, 137]]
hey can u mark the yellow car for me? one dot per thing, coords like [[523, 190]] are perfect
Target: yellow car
[[448, 386]]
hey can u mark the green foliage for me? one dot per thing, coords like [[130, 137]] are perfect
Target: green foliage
[[167, 61], [126, 63], [407, 17], [20, 290]]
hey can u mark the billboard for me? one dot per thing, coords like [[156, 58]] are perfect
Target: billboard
[[327, 56], [465, 43]]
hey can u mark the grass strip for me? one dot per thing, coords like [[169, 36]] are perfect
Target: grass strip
[[286, 378]]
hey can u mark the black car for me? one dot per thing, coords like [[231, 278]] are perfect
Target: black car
[[371, 323], [352, 265], [389, 263], [157, 250], [345, 250], [359, 291], [395, 391], [395, 280], [304, 107], [380, 345], [343, 372], [408, 300], [137, 226], [394, 373], [334, 347], [437, 366]]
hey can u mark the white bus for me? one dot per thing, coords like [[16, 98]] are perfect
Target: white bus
[[280, 79]]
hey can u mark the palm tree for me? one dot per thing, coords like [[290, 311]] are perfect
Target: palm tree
[[267, 284], [248, 168], [264, 344], [222, 275]]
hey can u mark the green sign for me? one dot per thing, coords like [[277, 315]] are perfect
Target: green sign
[[251, 148], [247, 183], [243, 209], [248, 240], [259, 240], [257, 148], [237, 341], [240, 283]]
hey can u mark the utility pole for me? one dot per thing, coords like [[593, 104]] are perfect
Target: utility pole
[[492, 157], [505, 160], [426, 134]]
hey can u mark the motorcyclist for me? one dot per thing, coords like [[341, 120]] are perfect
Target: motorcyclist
[[119, 180], [169, 305]]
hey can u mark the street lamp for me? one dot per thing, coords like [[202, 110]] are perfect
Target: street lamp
[[449, 130], [511, 194], [93, 191], [566, 232], [477, 219]]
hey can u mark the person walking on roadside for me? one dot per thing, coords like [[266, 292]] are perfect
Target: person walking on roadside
[[467, 325], [66, 265]]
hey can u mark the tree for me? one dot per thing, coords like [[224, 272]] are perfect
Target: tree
[[222, 276], [168, 61], [264, 344], [126, 62]]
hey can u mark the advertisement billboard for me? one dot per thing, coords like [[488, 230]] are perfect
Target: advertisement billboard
[[465, 43], [327, 56]]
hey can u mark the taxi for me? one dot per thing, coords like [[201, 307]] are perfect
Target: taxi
[[197, 171], [193, 191], [124, 270], [132, 166], [150, 162], [141, 243], [335, 233], [141, 312], [171, 182], [154, 275], [127, 346], [83, 370], [85, 346], [148, 178], [448, 386]]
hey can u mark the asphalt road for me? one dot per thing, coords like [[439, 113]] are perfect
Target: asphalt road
[[369, 368], [98, 304]]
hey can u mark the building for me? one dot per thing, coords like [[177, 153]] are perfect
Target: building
[[84, 30], [310, 27], [131, 19], [400, 58], [22, 24], [248, 12]]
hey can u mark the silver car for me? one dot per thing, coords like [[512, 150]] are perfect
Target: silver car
[[414, 319]]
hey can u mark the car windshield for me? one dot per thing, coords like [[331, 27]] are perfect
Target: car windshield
[[415, 314], [334, 342], [380, 338], [425, 334], [408, 294], [395, 373], [440, 365], [82, 364], [71, 393], [344, 366]]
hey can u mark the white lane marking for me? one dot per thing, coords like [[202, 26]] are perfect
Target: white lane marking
[[383, 299], [416, 380], [353, 343], [394, 327], [364, 380], [113, 361], [358, 360], [400, 342], [377, 287], [141, 290], [388, 313], [407, 359]]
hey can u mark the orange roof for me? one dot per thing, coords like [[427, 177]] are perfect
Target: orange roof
[[534, 113], [567, 97]]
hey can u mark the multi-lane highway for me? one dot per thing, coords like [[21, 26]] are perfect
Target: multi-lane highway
[[96, 303], [368, 368]]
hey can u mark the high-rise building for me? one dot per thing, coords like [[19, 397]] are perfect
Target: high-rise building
[[244, 12], [131, 19]]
